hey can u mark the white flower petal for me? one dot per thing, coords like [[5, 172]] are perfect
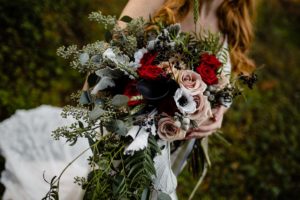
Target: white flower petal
[[104, 83], [139, 143], [190, 106]]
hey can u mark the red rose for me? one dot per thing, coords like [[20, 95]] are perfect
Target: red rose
[[147, 70], [208, 68], [211, 61], [208, 75], [150, 72], [131, 91], [148, 59]]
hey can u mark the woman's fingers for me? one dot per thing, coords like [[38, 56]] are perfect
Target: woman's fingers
[[197, 134], [210, 126], [204, 130], [219, 112]]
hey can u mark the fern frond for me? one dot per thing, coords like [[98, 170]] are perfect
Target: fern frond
[[223, 55]]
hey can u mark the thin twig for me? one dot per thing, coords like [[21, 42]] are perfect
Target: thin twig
[[199, 181], [58, 179]]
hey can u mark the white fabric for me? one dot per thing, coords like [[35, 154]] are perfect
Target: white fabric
[[165, 180], [29, 150]]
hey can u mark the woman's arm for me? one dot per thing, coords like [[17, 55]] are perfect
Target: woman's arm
[[141, 8]]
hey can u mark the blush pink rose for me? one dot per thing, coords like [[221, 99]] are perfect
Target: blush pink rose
[[191, 81], [170, 130], [203, 109]]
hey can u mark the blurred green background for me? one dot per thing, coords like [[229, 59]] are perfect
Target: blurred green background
[[263, 160]]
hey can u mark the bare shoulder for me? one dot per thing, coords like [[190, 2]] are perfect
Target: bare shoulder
[[141, 8]]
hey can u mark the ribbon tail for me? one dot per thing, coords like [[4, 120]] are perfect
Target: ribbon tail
[[181, 156]]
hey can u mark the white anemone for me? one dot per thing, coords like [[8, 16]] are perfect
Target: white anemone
[[184, 101]]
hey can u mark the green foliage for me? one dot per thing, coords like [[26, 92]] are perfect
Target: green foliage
[[107, 21], [209, 42], [118, 176], [141, 165], [53, 192]]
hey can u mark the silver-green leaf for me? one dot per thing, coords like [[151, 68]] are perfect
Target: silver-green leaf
[[204, 145], [96, 113], [118, 127], [119, 100], [85, 98]]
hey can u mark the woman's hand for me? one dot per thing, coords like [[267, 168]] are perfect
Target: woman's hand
[[209, 126]]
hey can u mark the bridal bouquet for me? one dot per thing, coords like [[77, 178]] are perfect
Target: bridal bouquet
[[150, 84]]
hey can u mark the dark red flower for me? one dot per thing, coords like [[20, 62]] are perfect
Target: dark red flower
[[148, 59], [167, 105], [210, 60], [150, 72], [131, 91], [209, 65], [208, 75]]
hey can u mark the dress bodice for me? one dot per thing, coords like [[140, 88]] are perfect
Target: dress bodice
[[227, 66]]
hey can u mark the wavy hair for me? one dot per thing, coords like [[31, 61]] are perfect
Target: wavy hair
[[235, 21]]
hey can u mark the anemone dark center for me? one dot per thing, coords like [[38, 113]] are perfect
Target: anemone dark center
[[183, 101]]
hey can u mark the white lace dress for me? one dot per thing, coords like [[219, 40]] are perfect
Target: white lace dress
[[30, 151]]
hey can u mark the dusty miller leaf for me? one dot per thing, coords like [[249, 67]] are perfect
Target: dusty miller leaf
[[140, 142]]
